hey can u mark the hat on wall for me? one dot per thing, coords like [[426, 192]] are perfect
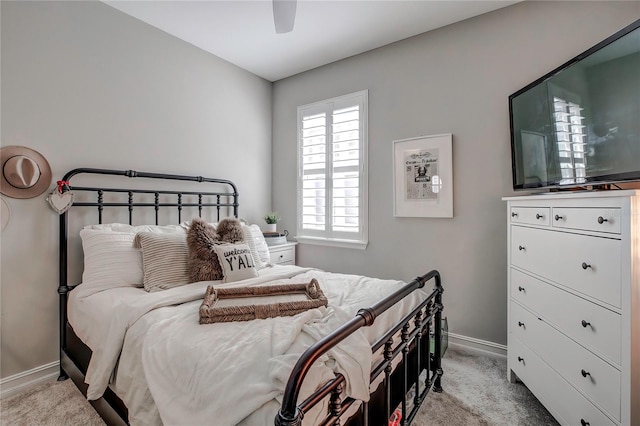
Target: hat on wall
[[25, 172]]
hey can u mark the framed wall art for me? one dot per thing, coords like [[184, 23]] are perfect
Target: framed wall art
[[423, 176]]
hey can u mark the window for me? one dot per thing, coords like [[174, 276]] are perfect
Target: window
[[570, 140], [332, 171]]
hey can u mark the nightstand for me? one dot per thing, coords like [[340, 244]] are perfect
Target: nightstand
[[283, 254]]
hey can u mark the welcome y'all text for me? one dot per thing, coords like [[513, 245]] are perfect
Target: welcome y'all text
[[239, 259]]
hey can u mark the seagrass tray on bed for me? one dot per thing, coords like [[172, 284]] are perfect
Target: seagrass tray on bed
[[225, 304]]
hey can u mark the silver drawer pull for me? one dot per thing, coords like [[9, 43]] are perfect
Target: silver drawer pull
[[585, 265], [558, 217], [585, 324], [602, 220], [539, 216]]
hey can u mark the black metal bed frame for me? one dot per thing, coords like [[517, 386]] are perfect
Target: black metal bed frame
[[419, 368]]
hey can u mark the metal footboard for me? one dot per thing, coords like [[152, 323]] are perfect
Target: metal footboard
[[414, 339]]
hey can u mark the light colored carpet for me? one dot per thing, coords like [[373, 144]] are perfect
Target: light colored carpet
[[476, 392]]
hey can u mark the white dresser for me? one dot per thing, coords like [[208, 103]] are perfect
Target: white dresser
[[574, 303]]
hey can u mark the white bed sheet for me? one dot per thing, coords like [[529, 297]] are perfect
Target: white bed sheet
[[151, 373]]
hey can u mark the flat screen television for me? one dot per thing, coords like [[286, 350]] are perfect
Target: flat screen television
[[579, 125]]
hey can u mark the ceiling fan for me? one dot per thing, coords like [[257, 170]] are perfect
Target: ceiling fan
[[284, 15]]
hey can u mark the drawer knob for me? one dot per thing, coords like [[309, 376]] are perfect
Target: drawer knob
[[584, 373], [585, 265], [558, 217], [520, 288], [520, 359], [602, 220], [514, 214], [539, 216], [583, 422], [585, 324], [520, 324], [520, 248]]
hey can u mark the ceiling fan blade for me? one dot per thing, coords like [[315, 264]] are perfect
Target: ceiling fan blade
[[284, 15]]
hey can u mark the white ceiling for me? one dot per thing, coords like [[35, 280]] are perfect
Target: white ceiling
[[242, 31]]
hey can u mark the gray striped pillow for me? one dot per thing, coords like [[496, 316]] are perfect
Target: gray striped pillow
[[164, 260]]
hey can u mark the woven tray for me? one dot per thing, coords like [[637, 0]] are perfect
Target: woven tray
[[210, 313]]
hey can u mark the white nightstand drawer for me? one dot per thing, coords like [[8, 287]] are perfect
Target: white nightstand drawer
[[587, 264], [584, 370], [283, 254], [588, 219], [591, 325], [564, 402], [530, 215]]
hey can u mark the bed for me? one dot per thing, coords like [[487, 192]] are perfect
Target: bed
[[140, 356]]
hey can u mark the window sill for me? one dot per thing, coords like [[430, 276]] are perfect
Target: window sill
[[359, 245]]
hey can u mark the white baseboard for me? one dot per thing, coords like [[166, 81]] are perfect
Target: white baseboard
[[28, 379], [482, 345]]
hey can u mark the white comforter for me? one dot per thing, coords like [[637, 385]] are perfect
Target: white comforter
[[175, 371]]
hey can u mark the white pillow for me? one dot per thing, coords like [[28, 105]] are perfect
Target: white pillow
[[236, 262], [110, 260], [123, 227], [257, 244], [164, 259]]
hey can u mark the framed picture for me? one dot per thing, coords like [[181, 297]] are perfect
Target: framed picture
[[423, 176]]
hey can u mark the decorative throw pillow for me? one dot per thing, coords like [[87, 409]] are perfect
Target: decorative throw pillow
[[230, 230], [110, 259], [259, 248], [236, 262], [203, 262], [251, 242], [164, 259]]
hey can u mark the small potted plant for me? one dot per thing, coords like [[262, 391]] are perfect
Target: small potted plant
[[272, 220]]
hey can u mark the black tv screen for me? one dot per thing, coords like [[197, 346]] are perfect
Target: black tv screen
[[579, 125]]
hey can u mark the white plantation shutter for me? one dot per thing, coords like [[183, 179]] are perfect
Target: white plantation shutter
[[332, 179]]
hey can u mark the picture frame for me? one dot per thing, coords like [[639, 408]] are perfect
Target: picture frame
[[423, 176]]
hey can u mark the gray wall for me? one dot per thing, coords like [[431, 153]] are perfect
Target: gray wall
[[452, 80], [88, 86]]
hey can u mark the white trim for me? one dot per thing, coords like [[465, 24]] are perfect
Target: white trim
[[332, 242], [26, 380], [483, 345]]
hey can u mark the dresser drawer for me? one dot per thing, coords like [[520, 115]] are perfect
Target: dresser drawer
[[530, 215], [581, 368], [587, 264], [600, 331], [563, 401], [587, 219]]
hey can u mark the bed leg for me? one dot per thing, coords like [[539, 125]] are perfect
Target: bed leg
[[437, 386], [63, 376]]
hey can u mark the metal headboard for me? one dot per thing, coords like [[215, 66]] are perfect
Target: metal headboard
[[226, 198]]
